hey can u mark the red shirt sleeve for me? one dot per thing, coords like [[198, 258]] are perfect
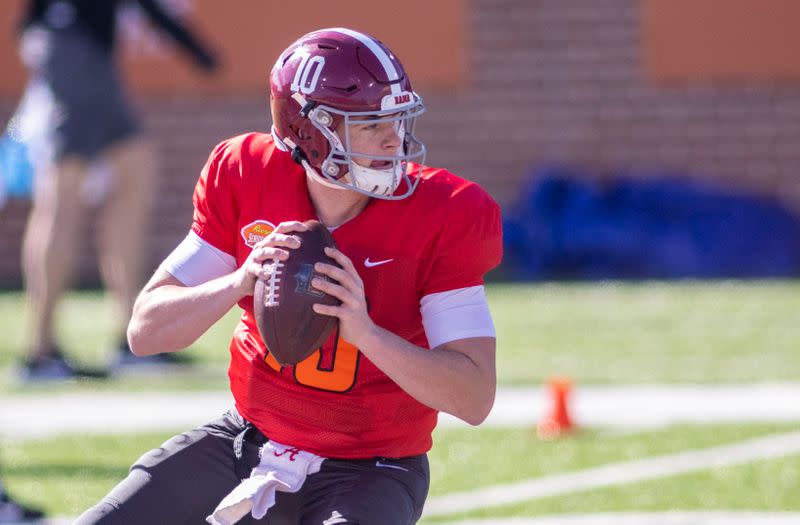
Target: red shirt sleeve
[[216, 199], [470, 243]]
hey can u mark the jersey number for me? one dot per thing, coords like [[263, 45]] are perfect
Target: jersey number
[[338, 376]]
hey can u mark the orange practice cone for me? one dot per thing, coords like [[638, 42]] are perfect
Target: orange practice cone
[[557, 422]]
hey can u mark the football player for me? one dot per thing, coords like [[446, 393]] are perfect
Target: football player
[[89, 152], [352, 423]]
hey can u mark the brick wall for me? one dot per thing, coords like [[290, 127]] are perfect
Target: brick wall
[[551, 81]]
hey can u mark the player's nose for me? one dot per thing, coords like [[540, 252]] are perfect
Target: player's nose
[[392, 138]]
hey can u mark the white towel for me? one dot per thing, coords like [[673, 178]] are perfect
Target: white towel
[[281, 468]]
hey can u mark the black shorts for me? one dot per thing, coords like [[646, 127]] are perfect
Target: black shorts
[[90, 109], [185, 479]]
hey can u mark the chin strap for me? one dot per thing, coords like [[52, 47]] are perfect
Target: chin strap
[[297, 155], [312, 174], [381, 182]]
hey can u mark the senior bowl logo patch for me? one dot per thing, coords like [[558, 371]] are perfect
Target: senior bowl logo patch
[[256, 231], [304, 277]]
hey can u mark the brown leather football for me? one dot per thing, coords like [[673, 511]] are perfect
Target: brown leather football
[[288, 325]]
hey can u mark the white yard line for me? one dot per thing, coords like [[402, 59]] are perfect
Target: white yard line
[[619, 407], [43, 415], [639, 406], [649, 518], [616, 474]]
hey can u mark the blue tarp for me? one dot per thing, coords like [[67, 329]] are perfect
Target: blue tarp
[[16, 171], [637, 226]]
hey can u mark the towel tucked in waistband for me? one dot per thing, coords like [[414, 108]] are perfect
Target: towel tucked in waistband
[[282, 468]]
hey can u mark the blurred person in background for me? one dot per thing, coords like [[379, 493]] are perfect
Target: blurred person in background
[[87, 150], [12, 511]]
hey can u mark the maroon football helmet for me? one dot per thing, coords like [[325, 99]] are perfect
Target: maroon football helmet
[[329, 80]]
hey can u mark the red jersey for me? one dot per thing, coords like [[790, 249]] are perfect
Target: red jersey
[[337, 403]]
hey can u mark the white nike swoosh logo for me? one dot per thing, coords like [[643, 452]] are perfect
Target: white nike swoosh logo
[[370, 264], [335, 518], [387, 465]]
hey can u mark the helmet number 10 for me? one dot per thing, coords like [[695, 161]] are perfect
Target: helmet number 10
[[310, 66]]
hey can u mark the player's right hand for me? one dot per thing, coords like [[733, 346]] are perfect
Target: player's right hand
[[274, 246]]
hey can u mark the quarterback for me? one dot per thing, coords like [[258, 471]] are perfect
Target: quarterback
[[342, 436]]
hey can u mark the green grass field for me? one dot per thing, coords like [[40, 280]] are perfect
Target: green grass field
[[603, 333], [653, 332], [66, 474], [595, 333]]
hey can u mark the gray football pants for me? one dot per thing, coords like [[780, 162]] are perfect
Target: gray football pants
[[182, 482]]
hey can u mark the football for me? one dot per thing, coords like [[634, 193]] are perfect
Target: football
[[282, 303]]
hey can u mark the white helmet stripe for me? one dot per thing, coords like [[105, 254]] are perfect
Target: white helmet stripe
[[379, 53]]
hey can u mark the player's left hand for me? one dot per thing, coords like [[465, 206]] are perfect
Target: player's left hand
[[354, 321]]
